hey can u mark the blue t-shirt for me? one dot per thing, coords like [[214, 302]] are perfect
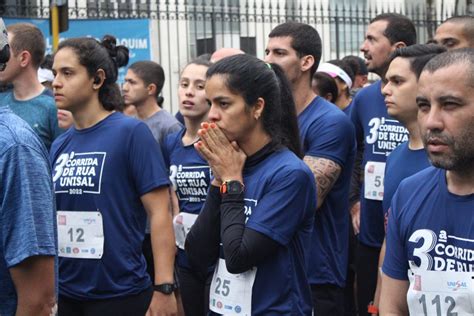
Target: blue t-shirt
[[39, 112], [28, 211], [190, 176], [107, 168], [429, 226], [326, 132], [401, 163], [280, 199], [348, 109], [378, 135]]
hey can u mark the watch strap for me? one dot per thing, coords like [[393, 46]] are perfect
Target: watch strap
[[165, 288]]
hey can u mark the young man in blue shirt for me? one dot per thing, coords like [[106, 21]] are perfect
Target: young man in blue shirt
[[327, 136], [430, 241]]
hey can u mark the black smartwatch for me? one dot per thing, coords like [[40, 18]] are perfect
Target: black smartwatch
[[232, 187], [165, 288]]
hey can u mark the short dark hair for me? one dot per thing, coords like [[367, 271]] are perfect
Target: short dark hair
[[305, 40], [105, 55], [418, 55], [357, 65], [399, 28], [463, 56], [47, 62], [326, 84], [467, 22], [27, 37], [150, 72], [252, 78]]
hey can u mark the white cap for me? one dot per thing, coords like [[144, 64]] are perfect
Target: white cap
[[335, 71], [45, 75]]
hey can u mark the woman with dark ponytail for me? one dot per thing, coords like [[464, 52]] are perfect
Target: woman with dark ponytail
[[257, 220], [108, 174]]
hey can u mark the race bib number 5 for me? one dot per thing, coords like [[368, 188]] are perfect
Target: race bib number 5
[[373, 180], [231, 294], [80, 234], [440, 293]]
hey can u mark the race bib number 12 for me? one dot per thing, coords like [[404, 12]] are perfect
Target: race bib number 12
[[80, 234]]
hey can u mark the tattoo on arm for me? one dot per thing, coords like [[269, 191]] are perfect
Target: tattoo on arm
[[325, 172]]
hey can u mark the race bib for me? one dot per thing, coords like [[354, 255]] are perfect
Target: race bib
[[182, 224], [440, 293], [373, 180], [80, 234], [231, 294]]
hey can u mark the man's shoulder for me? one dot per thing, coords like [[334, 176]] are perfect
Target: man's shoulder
[[16, 132], [369, 94], [164, 118], [44, 100], [420, 182], [327, 116]]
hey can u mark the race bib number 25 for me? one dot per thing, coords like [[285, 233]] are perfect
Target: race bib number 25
[[231, 294]]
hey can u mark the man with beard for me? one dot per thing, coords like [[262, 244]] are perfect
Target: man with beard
[[377, 134], [428, 266]]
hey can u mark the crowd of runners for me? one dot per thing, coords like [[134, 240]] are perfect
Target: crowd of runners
[[285, 186]]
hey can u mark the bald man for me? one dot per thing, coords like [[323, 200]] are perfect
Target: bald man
[[456, 32], [224, 52]]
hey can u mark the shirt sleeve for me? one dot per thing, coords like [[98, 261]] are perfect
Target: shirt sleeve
[[146, 161], [332, 139], [395, 264], [28, 212], [283, 208]]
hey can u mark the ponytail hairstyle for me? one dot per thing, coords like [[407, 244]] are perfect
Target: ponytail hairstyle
[[252, 78], [105, 55]]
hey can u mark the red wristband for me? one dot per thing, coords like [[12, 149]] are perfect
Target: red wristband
[[372, 309]]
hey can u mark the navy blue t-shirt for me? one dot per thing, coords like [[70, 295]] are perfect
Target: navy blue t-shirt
[[429, 226], [401, 163], [107, 168], [378, 135], [280, 199], [190, 176], [326, 132], [348, 109]]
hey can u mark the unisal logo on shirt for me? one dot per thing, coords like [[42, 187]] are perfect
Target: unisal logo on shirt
[[78, 173], [190, 182], [385, 135]]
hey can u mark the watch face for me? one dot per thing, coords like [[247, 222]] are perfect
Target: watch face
[[234, 187]]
